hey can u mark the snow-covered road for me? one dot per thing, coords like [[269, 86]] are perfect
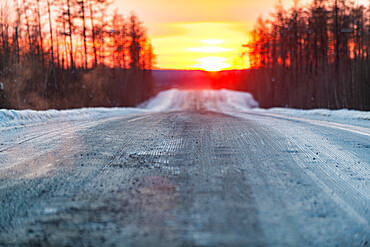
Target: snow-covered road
[[189, 168]]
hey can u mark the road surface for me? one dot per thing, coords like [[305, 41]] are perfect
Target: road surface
[[190, 177]]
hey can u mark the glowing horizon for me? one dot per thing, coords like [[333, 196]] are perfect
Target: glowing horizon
[[185, 34], [190, 49]]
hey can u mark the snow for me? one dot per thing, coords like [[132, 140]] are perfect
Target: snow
[[213, 100], [304, 174], [225, 101], [342, 114], [10, 118], [165, 101], [232, 102]]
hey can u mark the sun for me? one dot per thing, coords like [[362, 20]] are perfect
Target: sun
[[208, 49], [212, 64], [212, 41]]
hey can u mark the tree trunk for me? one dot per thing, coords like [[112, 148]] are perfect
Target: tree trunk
[[70, 26], [93, 34]]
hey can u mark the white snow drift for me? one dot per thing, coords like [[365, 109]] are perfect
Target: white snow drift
[[214, 100], [226, 101], [342, 114], [25, 117]]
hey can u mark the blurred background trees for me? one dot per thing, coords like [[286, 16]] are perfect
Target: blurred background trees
[[76, 53], [71, 53], [311, 56]]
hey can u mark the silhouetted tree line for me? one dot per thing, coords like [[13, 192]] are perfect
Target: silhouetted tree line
[[311, 56], [71, 53]]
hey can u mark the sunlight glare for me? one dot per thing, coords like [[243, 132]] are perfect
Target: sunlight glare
[[212, 41], [212, 64], [208, 49]]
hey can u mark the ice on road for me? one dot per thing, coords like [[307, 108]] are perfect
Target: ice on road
[[186, 168]]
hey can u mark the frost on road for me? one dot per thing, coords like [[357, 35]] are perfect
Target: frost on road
[[187, 168]]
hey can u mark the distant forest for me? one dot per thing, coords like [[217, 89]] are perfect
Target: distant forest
[[311, 56], [75, 53], [71, 53]]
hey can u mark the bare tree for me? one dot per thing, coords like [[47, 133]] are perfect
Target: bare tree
[[82, 4]]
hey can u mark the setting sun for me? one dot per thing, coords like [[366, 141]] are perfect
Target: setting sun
[[208, 49], [212, 64], [195, 42], [182, 32], [212, 41]]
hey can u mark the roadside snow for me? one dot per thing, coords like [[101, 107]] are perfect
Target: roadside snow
[[332, 114], [169, 100], [225, 101], [10, 118], [231, 102], [342, 116], [213, 100]]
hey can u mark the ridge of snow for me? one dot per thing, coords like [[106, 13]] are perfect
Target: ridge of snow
[[9, 118], [341, 114], [224, 100], [216, 100]]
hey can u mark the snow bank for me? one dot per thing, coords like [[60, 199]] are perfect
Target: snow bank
[[229, 100], [172, 99], [214, 100], [342, 114], [25, 117], [226, 101]]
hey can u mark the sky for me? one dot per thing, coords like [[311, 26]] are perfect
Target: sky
[[199, 34]]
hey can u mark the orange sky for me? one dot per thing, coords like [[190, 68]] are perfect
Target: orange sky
[[191, 34]]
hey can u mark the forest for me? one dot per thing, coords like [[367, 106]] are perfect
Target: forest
[[78, 53], [72, 53], [311, 56]]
